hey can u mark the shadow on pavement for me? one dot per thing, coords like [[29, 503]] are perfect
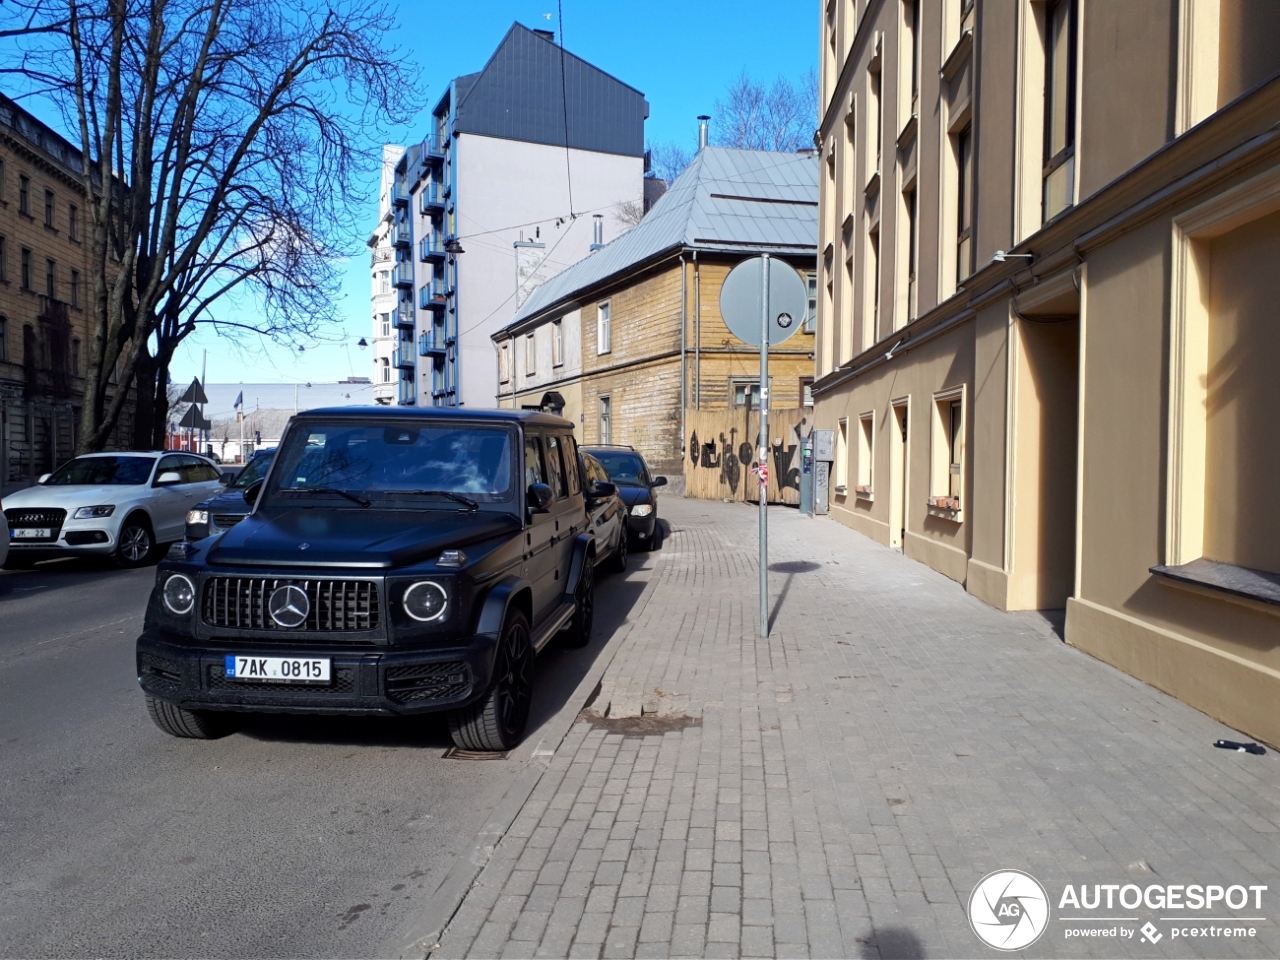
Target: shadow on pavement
[[56, 575], [558, 673], [790, 568], [892, 943]]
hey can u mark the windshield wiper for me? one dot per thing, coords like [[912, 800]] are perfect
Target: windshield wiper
[[470, 504], [354, 498]]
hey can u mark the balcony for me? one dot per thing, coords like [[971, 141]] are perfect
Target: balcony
[[402, 359], [399, 193], [403, 316], [431, 198], [431, 249], [433, 149], [400, 234], [433, 343], [433, 295], [402, 274]]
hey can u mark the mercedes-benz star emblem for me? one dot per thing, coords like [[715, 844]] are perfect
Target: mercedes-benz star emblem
[[289, 606]]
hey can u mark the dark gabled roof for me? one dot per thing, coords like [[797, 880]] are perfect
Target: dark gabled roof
[[745, 202], [521, 95]]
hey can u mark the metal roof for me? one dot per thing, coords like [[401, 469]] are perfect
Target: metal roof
[[521, 95], [741, 201]]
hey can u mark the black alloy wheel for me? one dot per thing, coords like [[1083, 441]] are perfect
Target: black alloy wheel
[[579, 631], [135, 544], [497, 720], [618, 562]]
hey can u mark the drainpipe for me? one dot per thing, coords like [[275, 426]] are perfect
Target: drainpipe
[[684, 366], [697, 334]]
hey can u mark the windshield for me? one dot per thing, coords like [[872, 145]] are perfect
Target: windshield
[[103, 471], [255, 471], [391, 462], [622, 466]]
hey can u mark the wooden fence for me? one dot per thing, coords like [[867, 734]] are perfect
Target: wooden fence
[[720, 453]]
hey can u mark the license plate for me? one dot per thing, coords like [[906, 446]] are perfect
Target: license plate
[[253, 669], [30, 533]]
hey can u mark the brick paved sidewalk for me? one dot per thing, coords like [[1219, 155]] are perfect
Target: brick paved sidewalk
[[839, 790]]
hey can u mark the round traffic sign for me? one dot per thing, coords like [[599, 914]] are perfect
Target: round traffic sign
[[741, 294]]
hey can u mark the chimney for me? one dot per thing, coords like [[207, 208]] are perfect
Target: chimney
[[598, 235], [548, 35], [702, 130]]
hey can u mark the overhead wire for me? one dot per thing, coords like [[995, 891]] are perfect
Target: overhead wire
[[564, 102]]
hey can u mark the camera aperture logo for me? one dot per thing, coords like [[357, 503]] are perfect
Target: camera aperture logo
[[1008, 910]]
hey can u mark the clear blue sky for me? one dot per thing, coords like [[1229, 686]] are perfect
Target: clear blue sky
[[681, 53]]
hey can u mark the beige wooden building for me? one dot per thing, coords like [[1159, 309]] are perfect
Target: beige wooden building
[[632, 335], [44, 290], [1085, 420]]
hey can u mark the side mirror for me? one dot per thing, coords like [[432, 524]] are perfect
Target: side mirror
[[540, 497], [44, 477], [603, 490], [252, 491], [223, 479], [168, 478], [659, 481]]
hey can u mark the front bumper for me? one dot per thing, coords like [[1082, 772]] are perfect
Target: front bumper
[[641, 527], [366, 680], [74, 540]]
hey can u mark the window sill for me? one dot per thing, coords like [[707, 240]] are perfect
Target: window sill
[[1224, 580], [946, 508], [840, 490], [957, 57], [864, 492], [873, 185], [26, 216]]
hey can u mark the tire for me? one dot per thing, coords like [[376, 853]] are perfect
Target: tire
[[654, 540], [497, 720], [188, 724], [618, 560], [579, 632], [136, 543]]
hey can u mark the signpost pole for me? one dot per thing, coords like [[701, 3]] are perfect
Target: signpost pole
[[764, 447]]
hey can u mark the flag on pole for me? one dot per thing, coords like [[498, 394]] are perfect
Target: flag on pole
[[239, 400]]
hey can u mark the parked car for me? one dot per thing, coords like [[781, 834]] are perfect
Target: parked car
[[118, 505], [607, 512], [638, 488], [397, 561], [230, 507]]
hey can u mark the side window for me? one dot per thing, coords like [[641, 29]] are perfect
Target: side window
[[167, 464], [208, 471], [555, 466], [571, 463], [192, 470], [533, 470]]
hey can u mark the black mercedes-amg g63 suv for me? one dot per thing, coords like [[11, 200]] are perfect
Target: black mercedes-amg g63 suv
[[396, 561]]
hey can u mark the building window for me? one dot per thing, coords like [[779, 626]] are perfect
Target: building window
[[606, 420], [26, 269], [386, 370], [51, 279], [604, 331], [73, 222], [4, 261], [75, 288], [873, 266], [385, 320], [1060, 107], [745, 391], [876, 115], [384, 281], [530, 355], [75, 358], [24, 194], [557, 343], [913, 37], [4, 339], [866, 453], [947, 467], [3, 182], [909, 207], [48, 208], [811, 318], [964, 204], [842, 456], [806, 391], [504, 363]]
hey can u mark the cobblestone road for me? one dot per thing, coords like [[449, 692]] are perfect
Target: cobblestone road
[[839, 790]]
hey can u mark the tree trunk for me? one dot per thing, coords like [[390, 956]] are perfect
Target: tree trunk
[[144, 417]]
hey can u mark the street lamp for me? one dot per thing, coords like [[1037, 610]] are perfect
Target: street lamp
[[363, 343]]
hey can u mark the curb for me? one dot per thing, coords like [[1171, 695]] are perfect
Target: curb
[[418, 938]]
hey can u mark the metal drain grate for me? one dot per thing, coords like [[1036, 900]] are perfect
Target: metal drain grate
[[457, 753]]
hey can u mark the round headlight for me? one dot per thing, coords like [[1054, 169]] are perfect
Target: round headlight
[[426, 600], [179, 594]]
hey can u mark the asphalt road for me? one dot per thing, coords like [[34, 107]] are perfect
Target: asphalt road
[[298, 836]]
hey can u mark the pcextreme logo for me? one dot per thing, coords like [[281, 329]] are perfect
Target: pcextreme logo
[[1008, 910]]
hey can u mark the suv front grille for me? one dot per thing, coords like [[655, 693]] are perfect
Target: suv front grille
[[342, 606], [50, 519], [225, 521]]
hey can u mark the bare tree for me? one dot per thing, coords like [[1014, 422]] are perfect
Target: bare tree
[[779, 117], [668, 160], [222, 142]]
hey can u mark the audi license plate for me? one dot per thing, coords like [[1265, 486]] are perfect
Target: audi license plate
[[30, 533], [277, 669]]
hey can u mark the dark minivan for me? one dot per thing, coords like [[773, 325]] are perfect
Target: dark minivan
[[397, 561]]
